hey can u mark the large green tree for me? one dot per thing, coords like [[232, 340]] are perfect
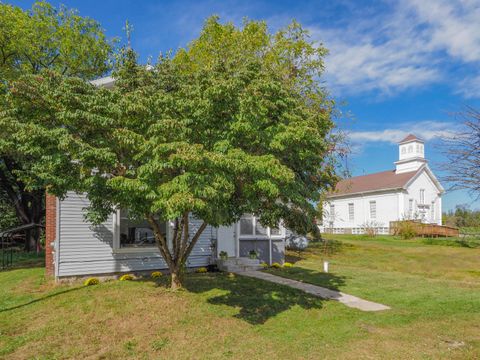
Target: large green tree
[[42, 38], [236, 123]]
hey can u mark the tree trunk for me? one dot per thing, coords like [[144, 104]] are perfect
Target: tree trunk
[[176, 282], [176, 255]]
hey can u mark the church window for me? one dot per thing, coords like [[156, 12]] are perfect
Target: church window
[[432, 209], [373, 209], [332, 211], [422, 196], [410, 207], [410, 149], [404, 150], [351, 212]]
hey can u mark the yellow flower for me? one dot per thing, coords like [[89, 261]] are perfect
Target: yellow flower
[[126, 277], [201, 270], [156, 274], [287, 265], [276, 265], [91, 281]]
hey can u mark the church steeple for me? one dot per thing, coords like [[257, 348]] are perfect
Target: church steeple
[[411, 154]]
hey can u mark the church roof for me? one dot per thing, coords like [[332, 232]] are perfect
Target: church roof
[[410, 137], [385, 180]]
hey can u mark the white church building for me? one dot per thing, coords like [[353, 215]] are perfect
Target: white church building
[[411, 191]]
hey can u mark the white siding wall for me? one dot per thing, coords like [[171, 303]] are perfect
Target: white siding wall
[[84, 249], [386, 210], [431, 195]]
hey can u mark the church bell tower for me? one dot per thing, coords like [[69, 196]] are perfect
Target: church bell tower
[[411, 154]]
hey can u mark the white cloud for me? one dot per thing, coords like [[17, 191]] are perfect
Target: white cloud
[[470, 87], [410, 47], [426, 130]]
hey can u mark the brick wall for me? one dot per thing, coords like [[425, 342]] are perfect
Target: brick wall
[[50, 232]]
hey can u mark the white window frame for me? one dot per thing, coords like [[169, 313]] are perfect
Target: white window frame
[[422, 196], [351, 211], [254, 236], [332, 212], [373, 214], [116, 238], [410, 207], [432, 210]]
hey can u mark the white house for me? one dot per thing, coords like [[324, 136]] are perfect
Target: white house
[[411, 191]]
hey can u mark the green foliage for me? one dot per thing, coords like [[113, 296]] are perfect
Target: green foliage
[[463, 217], [235, 123], [276, 265], [54, 38], [223, 255], [287, 265], [406, 229], [31, 41], [8, 218]]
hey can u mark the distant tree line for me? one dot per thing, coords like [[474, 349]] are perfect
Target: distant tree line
[[462, 217]]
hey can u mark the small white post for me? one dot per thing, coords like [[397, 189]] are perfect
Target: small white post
[[325, 266]]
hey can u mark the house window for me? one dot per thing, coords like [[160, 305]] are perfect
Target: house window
[[134, 233], [432, 209], [410, 149], [373, 209], [250, 227], [404, 150], [351, 212], [422, 196], [246, 225], [332, 211], [410, 207]]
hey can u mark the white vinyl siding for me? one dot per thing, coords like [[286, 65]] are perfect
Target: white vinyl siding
[[85, 249]]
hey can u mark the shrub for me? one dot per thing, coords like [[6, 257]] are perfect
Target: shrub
[[252, 254], [406, 229], [91, 281], [287, 265], [126, 277], [156, 274], [276, 265], [231, 275], [201, 270], [264, 265], [223, 255]]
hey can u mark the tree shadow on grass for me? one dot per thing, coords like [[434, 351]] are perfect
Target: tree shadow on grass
[[257, 300], [43, 298]]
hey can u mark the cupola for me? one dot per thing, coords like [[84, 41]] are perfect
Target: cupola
[[411, 154]]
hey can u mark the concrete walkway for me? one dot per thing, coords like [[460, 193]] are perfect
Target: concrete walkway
[[324, 293]]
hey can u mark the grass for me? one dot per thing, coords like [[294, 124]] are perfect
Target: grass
[[434, 292]]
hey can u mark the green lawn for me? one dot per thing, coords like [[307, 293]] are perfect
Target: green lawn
[[433, 289]]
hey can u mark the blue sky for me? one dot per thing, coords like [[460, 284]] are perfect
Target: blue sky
[[394, 66]]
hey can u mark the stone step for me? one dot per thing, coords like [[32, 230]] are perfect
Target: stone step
[[238, 264]]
